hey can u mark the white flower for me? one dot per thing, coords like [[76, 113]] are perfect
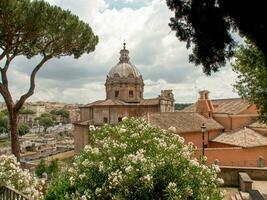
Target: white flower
[[84, 197], [12, 175], [128, 169], [216, 168], [122, 130], [98, 191], [72, 180], [181, 139], [220, 181], [124, 118], [147, 178], [101, 166], [194, 162], [95, 150], [172, 129], [171, 185], [82, 176]]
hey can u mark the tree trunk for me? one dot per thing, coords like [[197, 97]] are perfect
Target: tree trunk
[[15, 146]]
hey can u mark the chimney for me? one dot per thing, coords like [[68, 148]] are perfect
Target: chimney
[[204, 105]]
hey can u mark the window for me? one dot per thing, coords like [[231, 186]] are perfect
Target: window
[[141, 95], [131, 94], [119, 119], [105, 120], [117, 93]]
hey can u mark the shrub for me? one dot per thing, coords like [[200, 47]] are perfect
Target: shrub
[[135, 161], [23, 129], [12, 175], [52, 169]]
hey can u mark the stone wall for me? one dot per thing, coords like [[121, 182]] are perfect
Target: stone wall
[[231, 178], [113, 113], [80, 137]]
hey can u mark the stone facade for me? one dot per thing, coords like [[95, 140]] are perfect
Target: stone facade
[[124, 98], [124, 81]]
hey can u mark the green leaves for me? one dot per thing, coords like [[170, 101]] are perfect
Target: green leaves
[[23, 129], [209, 24], [136, 161], [34, 27], [46, 122], [252, 77]]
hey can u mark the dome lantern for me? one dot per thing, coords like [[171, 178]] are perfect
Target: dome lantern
[[124, 54], [124, 81]]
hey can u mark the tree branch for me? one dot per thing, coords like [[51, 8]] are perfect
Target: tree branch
[[3, 54], [5, 68], [30, 92], [7, 97]]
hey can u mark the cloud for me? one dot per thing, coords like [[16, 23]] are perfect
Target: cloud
[[154, 49]]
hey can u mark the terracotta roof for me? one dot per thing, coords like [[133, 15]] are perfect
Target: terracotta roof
[[257, 124], [149, 101], [245, 137], [182, 121], [229, 106], [108, 102], [117, 102]]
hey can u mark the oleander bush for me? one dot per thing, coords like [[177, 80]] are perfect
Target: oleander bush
[[136, 161], [12, 175]]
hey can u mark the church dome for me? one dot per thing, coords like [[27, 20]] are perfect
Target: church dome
[[124, 68]]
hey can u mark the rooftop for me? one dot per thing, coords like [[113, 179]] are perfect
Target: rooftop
[[227, 106], [244, 137], [182, 121], [257, 124], [117, 102]]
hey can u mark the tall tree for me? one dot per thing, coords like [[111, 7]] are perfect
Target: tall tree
[[63, 113], [46, 122], [34, 28], [251, 82], [208, 25]]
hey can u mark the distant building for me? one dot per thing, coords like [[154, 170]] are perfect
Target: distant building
[[124, 98]]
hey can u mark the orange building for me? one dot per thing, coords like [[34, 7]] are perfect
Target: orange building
[[242, 141], [232, 136]]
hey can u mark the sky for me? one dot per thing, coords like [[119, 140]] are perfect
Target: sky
[[160, 57]]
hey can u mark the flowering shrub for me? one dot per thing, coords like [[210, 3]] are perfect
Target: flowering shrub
[[135, 161], [12, 175]]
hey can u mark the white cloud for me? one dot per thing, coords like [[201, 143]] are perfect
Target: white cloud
[[154, 49]]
